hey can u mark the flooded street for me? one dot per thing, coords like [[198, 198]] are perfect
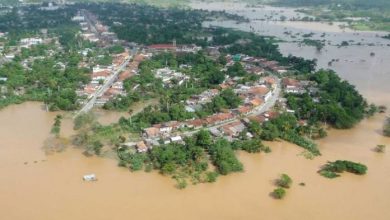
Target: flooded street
[[37, 186]]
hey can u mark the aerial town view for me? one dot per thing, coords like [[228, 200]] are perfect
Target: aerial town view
[[194, 109]]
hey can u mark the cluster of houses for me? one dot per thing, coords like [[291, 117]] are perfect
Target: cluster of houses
[[255, 65], [227, 124], [95, 31], [184, 48], [28, 42], [231, 128], [170, 77], [195, 102], [100, 74]]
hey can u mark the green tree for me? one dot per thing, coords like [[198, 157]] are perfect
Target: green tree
[[284, 181], [279, 193]]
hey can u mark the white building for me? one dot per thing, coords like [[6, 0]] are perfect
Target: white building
[[28, 42]]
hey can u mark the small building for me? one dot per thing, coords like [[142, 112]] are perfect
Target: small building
[[291, 85], [233, 129], [141, 147], [176, 139], [244, 110], [102, 75], [196, 123], [151, 132]]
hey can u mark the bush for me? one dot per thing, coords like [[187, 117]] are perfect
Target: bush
[[331, 169], [386, 128], [279, 193], [380, 148], [181, 184], [285, 181], [211, 177]]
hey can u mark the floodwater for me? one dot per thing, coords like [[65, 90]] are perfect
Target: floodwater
[[51, 186], [37, 186]]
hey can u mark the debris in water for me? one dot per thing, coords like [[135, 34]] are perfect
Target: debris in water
[[89, 177]]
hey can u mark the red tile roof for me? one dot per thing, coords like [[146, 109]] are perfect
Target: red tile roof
[[161, 46], [259, 90]]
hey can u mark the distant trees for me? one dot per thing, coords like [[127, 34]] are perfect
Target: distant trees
[[236, 70], [116, 49]]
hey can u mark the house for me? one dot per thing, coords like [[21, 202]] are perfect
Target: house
[[162, 47], [270, 81], [219, 118], [256, 102], [215, 132], [271, 114], [141, 147], [89, 89], [291, 85], [191, 48], [151, 132], [102, 75], [196, 123], [176, 139], [111, 92], [233, 129], [117, 85], [102, 100], [244, 110], [167, 127], [254, 70], [258, 118], [28, 42], [125, 75], [10, 56], [78, 18]]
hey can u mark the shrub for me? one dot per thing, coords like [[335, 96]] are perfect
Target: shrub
[[285, 181], [211, 177], [181, 184], [386, 128], [380, 148], [331, 169], [279, 193]]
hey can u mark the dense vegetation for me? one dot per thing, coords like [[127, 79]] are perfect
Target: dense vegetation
[[332, 169], [286, 127], [190, 160], [338, 102]]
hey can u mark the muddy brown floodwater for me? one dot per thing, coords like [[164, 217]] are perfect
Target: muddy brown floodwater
[[50, 186]]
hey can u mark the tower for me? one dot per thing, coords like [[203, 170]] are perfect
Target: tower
[[174, 42]]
